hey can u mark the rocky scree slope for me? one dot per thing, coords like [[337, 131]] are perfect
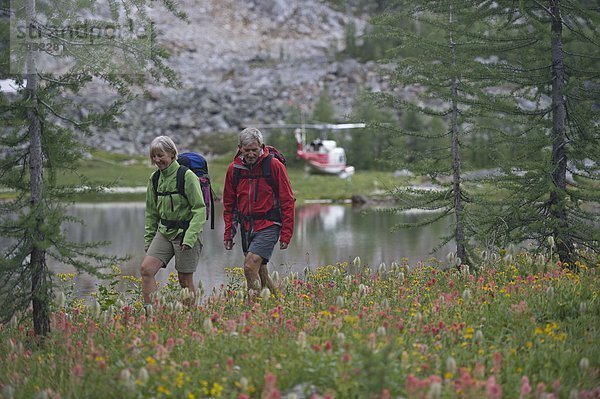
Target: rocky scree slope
[[240, 63]]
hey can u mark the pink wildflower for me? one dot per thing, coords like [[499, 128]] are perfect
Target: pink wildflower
[[519, 308], [231, 325], [540, 390], [556, 387], [270, 390], [479, 370], [493, 390], [289, 325], [77, 370], [412, 383], [525, 387], [497, 363]]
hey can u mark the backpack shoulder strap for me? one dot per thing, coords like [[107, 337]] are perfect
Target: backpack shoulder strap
[[155, 177], [212, 208], [235, 177], [181, 180], [266, 171]]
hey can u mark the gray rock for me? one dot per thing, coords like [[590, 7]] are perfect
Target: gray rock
[[239, 63]]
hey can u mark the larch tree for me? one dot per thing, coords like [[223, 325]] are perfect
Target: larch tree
[[439, 74], [57, 49], [365, 147], [517, 81], [550, 65]]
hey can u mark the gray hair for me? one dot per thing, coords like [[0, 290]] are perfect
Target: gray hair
[[163, 144], [249, 135]]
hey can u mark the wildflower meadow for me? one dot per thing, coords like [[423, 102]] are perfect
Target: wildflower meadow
[[516, 327]]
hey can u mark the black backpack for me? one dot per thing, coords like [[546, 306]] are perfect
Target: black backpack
[[266, 169], [197, 164]]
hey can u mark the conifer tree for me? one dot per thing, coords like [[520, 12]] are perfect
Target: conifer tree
[[517, 81], [57, 48], [443, 74], [366, 146], [550, 65]]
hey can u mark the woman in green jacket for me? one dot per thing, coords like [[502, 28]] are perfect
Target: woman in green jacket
[[173, 222]]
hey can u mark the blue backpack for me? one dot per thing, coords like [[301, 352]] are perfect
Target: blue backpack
[[197, 164]]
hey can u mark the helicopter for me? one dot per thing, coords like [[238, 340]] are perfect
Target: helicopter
[[321, 155]]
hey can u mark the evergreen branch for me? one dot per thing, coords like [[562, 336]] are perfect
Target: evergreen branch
[[543, 7], [64, 118]]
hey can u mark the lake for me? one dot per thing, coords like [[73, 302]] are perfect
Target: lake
[[324, 234]]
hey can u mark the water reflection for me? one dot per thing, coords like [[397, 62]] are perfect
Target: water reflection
[[324, 234]]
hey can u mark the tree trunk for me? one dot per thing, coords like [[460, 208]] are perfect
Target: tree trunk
[[559, 140], [459, 232], [39, 284]]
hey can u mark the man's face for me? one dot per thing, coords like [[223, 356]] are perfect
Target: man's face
[[250, 153]]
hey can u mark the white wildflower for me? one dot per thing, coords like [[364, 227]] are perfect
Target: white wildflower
[[178, 307], [96, 309], [435, 390], [302, 340], [478, 336], [208, 325], [185, 293], [61, 299], [143, 375], [451, 365], [466, 295], [265, 294], [584, 364], [275, 277]]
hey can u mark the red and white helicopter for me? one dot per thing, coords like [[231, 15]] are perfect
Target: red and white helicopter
[[322, 155]]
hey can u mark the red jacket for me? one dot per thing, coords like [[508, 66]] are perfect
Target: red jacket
[[255, 196]]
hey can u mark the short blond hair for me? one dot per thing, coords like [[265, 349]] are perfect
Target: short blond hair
[[163, 144]]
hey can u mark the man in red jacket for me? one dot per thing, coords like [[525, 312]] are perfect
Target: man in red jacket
[[258, 199]]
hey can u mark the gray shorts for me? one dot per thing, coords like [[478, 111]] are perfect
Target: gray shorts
[[263, 241], [164, 250]]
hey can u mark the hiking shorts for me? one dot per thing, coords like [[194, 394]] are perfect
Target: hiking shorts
[[263, 241], [164, 250]]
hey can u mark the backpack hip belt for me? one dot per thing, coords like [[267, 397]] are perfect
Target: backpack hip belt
[[176, 224]]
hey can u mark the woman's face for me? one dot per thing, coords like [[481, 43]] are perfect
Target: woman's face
[[162, 160]]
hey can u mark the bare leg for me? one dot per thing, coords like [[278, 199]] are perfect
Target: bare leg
[[150, 266], [252, 264], [265, 279]]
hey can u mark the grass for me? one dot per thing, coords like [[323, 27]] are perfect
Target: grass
[[120, 170], [522, 327]]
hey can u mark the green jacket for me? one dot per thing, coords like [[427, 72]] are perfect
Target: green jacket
[[174, 207]]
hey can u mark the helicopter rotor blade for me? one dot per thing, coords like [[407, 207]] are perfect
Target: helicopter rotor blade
[[318, 126]]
